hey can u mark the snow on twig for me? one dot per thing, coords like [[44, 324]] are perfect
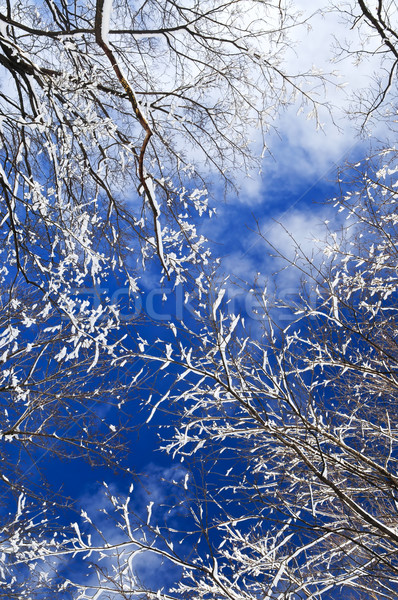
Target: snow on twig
[[106, 15]]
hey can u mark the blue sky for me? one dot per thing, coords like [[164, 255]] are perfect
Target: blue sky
[[296, 202], [298, 174]]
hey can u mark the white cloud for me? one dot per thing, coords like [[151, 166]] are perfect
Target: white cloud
[[298, 151]]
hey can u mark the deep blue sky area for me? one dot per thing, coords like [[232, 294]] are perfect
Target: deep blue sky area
[[234, 230], [233, 238], [245, 259]]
